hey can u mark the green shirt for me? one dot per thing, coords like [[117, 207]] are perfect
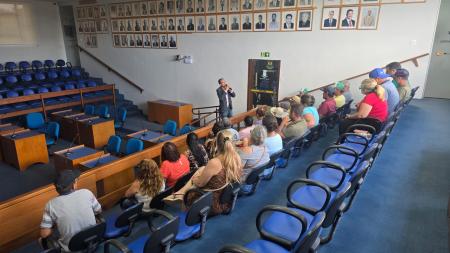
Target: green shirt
[[295, 129]]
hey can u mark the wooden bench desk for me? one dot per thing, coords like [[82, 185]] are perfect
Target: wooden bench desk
[[149, 138], [70, 158]]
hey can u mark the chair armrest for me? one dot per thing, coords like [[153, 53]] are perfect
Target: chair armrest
[[116, 244], [318, 164], [233, 248], [343, 150]]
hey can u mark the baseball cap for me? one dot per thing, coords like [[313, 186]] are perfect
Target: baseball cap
[[66, 178], [278, 112], [340, 85], [378, 73], [402, 73], [329, 90]]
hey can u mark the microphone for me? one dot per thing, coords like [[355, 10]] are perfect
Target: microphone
[[71, 145], [13, 135]]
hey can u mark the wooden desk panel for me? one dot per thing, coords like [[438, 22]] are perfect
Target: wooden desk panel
[[6, 129], [163, 110], [77, 155], [68, 128], [95, 133], [25, 149], [149, 138]]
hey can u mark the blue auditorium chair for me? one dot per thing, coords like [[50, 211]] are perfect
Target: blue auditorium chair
[[229, 196], [89, 109], [12, 94], [81, 84], [52, 133], [42, 90], [113, 145], [170, 127], [88, 240], [27, 92], [1, 67], [252, 181], [312, 136], [91, 83], [10, 66], [120, 117], [187, 128], [293, 232], [24, 66], [356, 141], [26, 78], [133, 146], [39, 77], [193, 220], [64, 74], [36, 66], [11, 80], [76, 74], [4, 108], [158, 240], [102, 111], [48, 64], [121, 224], [52, 75], [273, 165], [55, 88], [35, 121]]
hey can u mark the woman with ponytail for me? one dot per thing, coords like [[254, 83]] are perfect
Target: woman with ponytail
[[372, 110], [224, 169]]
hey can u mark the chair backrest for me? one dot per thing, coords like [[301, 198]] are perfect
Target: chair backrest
[[10, 66], [36, 65], [76, 73], [35, 120], [157, 201], [27, 92], [199, 209], [53, 130], [80, 84], [39, 76], [89, 109], [229, 195], [60, 63], [102, 111], [129, 216], [414, 90], [88, 239], [170, 127], [23, 66], [122, 114], [113, 145], [347, 107], [312, 234], [11, 79], [91, 83], [52, 75], [69, 86], [26, 78], [12, 94], [1, 81], [182, 181], [64, 73], [186, 129], [254, 177], [335, 204], [133, 146], [163, 236], [48, 64], [55, 88]]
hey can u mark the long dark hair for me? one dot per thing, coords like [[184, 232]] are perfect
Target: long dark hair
[[170, 152], [195, 148]]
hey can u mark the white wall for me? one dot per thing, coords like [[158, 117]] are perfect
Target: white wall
[[49, 41], [308, 59]]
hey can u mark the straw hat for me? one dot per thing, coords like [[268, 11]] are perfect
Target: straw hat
[[278, 112]]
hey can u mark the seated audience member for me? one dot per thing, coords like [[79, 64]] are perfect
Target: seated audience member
[[254, 153], [273, 142], [297, 127], [392, 67], [373, 106], [210, 143], [328, 106], [347, 93], [260, 113], [391, 95], [148, 183], [245, 132], [174, 165], [224, 169], [227, 126], [310, 113], [404, 89], [339, 97], [196, 152], [69, 213], [279, 114], [285, 105]]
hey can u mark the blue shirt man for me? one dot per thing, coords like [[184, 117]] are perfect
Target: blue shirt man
[[392, 96]]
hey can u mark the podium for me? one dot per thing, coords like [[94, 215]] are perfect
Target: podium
[[95, 132], [25, 148], [6, 129], [163, 110], [69, 127], [70, 158], [149, 138]]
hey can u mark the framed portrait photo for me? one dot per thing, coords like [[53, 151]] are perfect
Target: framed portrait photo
[[273, 21], [368, 17], [131, 40], [163, 41], [116, 40], [260, 5], [234, 22], [211, 23], [222, 23], [331, 2], [246, 5], [304, 3], [222, 5], [190, 24], [138, 39], [170, 7], [123, 40], [349, 18], [137, 25], [136, 9], [90, 13], [199, 6], [200, 24], [114, 25], [147, 41], [103, 11], [173, 43], [189, 6], [370, 1], [153, 7], [289, 3], [350, 2], [330, 18], [181, 25], [155, 40], [103, 26], [113, 11], [161, 7], [246, 21], [288, 20], [259, 22], [96, 10], [273, 4], [162, 25], [144, 8], [127, 8], [305, 19], [92, 26], [234, 5], [153, 24], [170, 21], [211, 6], [179, 6], [145, 25]]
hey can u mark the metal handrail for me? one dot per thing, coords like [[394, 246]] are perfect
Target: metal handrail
[[203, 115]]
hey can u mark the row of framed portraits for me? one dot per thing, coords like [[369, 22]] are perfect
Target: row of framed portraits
[[90, 41], [350, 17], [272, 21], [92, 12], [364, 2], [157, 41], [188, 7], [92, 26]]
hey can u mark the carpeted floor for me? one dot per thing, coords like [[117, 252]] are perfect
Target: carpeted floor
[[400, 208]]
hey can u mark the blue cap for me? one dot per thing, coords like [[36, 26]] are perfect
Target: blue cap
[[378, 73], [403, 73], [329, 90]]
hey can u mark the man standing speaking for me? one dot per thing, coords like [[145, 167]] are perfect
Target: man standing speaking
[[225, 93]]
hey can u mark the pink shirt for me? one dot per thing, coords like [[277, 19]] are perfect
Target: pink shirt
[[327, 107], [245, 132]]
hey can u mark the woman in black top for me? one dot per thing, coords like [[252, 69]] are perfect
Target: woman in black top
[[196, 152]]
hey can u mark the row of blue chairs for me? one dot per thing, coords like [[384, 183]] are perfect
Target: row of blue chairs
[[35, 66], [40, 77]]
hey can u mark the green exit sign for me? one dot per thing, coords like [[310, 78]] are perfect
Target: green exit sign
[[265, 54]]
